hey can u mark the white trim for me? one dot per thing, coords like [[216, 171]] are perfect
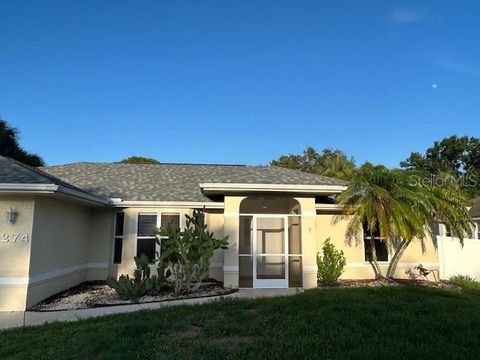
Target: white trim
[[231, 214], [16, 188], [13, 281], [310, 268], [28, 187], [296, 188], [267, 216], [167, 204], [51, 274], [270, 283], [329, 207], [230, 268], [385, 263]]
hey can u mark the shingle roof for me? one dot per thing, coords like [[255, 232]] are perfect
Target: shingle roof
[[14, 172], [475, 211], [173, 182]]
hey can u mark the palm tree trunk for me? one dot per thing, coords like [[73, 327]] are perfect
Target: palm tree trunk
[[392, 267], [374, 261]]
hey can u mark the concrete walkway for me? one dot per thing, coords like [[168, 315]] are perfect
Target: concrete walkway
[[33, 318]]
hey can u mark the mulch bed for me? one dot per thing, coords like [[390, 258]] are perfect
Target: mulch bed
[[388, 282], [95, 294]]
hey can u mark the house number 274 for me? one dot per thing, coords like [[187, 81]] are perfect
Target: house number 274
[[15, 237]]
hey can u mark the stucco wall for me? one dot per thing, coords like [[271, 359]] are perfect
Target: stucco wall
[[231, 218], [215, 224], [60, 247], [15, 252], [100, 245], [328, 226]]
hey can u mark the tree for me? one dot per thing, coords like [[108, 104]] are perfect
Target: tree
[[331, 263], [139, 160], [332, 163], [10, 147], [455, 157], [391, 203], [185, 255]]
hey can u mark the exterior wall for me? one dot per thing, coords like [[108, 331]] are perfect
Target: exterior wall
[[215, 224], [15, 255], [231, 226], [308, 226], [213, 219], [60, 248], [69, 243], [100, 243], [357, 268], [232, 223], [456, 259]]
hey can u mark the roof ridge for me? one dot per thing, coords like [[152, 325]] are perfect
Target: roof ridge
[[132, 164]]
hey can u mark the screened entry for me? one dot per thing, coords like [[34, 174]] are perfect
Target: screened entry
[[270, 253]]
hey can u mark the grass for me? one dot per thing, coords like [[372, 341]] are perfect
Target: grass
[[375, 323]]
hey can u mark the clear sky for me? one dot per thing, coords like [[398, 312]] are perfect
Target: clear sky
[[238, 81]]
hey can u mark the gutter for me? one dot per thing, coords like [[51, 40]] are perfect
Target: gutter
[[213, 188], [166, 204], [24, 189]]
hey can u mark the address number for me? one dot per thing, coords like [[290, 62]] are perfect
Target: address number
[[15, 237]]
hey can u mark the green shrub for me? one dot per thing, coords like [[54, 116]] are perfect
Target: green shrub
[[465, 282], [185, 255], [139, 285], [331, 265]]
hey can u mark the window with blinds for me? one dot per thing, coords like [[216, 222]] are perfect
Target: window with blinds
[[146, 243], [118, 239]]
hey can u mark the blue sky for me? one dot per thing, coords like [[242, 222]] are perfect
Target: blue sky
[[238, 81]]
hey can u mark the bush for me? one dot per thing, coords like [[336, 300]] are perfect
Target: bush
[[466, 282], [185, 255], [331, 265], [141, 284]]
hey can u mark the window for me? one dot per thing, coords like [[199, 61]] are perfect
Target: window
[[118, 240], [170, 219], [380, 246], [146, 243], [448, 231]]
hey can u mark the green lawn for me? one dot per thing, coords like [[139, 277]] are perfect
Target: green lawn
[[362, 323]]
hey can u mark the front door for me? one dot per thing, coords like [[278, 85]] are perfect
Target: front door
[[270, 243]]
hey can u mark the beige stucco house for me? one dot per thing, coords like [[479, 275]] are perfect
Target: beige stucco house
[[62, 225]]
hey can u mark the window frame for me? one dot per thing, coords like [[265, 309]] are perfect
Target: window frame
[[115, 237], [374, 238], [158, 225], [448, 231]]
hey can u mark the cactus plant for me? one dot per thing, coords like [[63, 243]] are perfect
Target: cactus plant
[[141, 284]]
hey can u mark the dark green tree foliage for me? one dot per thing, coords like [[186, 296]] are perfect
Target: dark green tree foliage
[[10, 147], [139, 160], [331, 263], [330, 162], [185, 255], [395, 204], [453, 159]]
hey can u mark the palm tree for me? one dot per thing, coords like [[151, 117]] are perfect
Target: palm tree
[[391, 204], [10, 147], [8, 139]]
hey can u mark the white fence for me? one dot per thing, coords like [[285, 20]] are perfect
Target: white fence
[[457, 260]]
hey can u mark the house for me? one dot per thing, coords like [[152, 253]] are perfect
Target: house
[[62, 225]]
